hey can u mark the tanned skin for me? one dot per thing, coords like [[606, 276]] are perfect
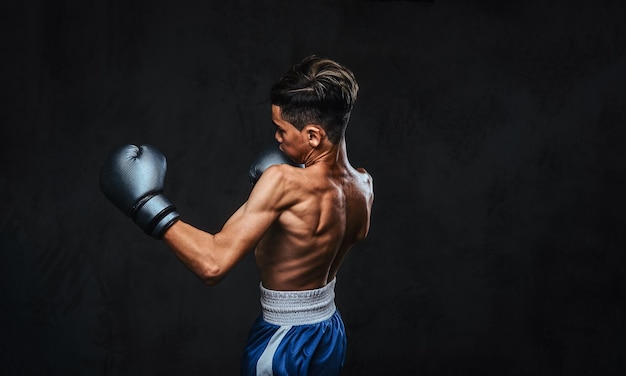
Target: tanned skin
[[301, 222]]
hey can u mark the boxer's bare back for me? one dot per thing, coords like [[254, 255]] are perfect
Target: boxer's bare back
[[302, 221], [328, 211]]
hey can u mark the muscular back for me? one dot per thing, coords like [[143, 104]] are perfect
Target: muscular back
[[327, 210]]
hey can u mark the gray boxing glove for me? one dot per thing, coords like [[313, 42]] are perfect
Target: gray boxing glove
[[132, 179], [268, 157]]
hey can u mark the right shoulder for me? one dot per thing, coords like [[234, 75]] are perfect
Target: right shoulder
[[364, 172], [366, 185], [365, 177]]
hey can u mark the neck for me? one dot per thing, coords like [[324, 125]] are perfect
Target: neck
[[328, 152]]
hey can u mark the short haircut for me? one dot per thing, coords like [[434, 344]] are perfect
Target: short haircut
[[317, 91]]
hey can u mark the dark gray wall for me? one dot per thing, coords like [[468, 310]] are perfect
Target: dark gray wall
[[494, 132]]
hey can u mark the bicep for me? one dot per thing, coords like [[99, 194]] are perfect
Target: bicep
[[244, 229], [247, 226]]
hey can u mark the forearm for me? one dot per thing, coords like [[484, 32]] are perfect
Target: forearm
[[196, 249]]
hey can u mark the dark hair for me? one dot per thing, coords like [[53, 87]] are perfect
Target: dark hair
[[317, 91]]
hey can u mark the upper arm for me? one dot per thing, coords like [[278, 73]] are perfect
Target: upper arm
[[211, 257], [247, 226]]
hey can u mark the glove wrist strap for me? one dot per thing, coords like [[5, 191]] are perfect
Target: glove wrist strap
[[155, 215]]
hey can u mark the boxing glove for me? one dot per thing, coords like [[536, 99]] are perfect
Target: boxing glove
[[132, 179], [268, 157]]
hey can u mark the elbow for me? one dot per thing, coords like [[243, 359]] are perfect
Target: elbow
[[211, 275]]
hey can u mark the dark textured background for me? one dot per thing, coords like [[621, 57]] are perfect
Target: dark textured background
[[494, 131]]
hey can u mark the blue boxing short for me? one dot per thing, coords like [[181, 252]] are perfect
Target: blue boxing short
[[298, 333]]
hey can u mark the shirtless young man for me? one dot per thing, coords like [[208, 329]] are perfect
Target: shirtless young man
[[301, 222]]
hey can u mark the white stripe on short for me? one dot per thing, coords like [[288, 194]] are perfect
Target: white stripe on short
[[264, 364]]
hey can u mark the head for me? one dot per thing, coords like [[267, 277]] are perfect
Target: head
[[317, 91]]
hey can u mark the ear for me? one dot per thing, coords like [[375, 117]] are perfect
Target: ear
[[314, 134]]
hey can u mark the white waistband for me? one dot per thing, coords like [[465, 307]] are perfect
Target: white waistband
[[298, 307]]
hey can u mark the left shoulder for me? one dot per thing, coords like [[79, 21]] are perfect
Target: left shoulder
[[278, 186]]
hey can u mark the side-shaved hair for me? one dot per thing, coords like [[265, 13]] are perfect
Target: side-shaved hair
[[317, 91]]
